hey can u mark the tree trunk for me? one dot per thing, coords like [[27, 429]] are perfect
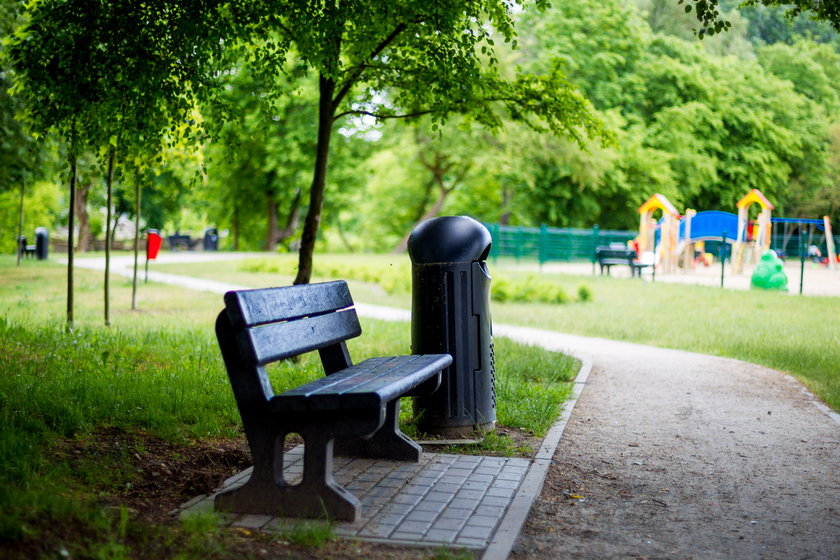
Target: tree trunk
[[271, 229], [439, 168], [430, 213], [71, 225], [319, 179], [82, 191], [137, 193], [116, 217], [507, 199], [424, 201], [291, 220], [20, 224], [235, 227], [109, 185], [343, 237]]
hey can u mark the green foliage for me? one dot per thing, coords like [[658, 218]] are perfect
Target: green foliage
[[491, 443], [452, 555], [700, 123], [530, 290], [261, 151], [42, 208], [311, 534], [396, 279], [708, 12], [695, 126], [584, 294], [768, 25]]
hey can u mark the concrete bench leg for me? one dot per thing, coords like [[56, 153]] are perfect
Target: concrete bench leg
[[387, 443], [268, 493]]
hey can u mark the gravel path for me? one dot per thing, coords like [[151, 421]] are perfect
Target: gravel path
[[671, 454]]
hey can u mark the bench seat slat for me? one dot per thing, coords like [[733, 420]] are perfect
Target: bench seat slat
[[249, 308], [278, 341], [371, 383]]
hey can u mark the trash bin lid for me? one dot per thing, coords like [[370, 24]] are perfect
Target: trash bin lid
[[449, 239]]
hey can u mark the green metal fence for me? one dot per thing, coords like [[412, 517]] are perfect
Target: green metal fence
[[546, 244]]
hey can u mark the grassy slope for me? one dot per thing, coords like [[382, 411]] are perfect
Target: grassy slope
[[156, 371], [159, 371]]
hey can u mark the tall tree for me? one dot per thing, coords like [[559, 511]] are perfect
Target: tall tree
[[107, 74], [405, 59], [261, 151]]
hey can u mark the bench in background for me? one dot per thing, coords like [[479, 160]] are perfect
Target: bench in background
[[608, 256]]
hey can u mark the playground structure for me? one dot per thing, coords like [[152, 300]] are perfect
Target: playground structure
[[753, 239], [666, 228], [679, 235]]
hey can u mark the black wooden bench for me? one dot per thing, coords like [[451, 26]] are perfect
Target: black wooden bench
[[608, 256], [25, 250], [185, 242], [353, 410]]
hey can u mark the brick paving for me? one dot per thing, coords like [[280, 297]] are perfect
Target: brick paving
[[444, 500]]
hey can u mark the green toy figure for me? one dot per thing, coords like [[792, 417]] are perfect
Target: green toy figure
[[769, 273]]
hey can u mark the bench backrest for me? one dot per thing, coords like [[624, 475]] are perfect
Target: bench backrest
[[258, 327], [279, 323], [612, 253]]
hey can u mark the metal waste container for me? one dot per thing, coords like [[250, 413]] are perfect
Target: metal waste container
[[42, 238], [450, 313], [211, 239]]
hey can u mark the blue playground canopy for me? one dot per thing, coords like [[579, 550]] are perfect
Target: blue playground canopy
[[710, 225]]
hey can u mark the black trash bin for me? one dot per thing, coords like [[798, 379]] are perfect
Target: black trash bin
[[450, 313], [42, 238], [211, 239]]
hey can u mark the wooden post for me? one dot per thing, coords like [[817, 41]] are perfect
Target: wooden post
[[829, 244]]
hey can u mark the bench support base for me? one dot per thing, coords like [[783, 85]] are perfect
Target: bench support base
[[387, 443], [316, 497]]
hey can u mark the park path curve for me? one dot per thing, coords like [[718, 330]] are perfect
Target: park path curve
[[672, 454]]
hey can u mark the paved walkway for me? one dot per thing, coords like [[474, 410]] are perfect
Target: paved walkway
[[444, 500], [667, 454]]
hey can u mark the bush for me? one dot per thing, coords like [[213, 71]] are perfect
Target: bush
[[531, 290], [584, 294]]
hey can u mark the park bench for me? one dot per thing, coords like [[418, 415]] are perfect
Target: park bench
[[178, 241], [24, 249], [608, 256], [353, 410]]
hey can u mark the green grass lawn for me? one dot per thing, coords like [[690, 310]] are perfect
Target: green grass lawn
[[156, 372], [795, 334]]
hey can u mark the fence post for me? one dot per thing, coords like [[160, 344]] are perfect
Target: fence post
[[801, 259], [541, 248], [722, 258], [595, 231]]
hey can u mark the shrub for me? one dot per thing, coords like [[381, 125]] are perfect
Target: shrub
[[584, 294]]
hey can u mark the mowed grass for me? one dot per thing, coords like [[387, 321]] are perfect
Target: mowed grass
[[156, 371], [791, 333], [795, 334]]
